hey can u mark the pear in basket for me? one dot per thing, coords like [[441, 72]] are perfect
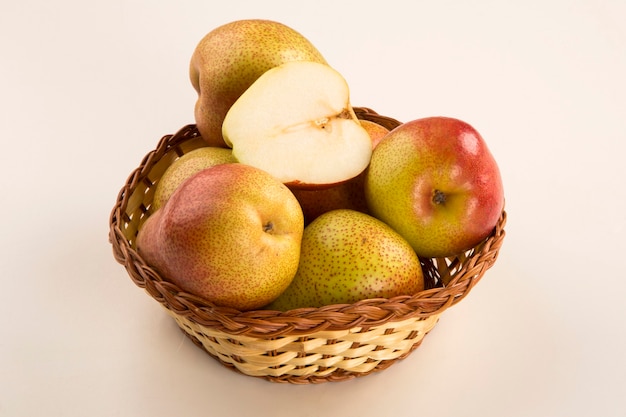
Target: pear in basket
[[184, 167], [230, 234], [349, 256], [435, 182]]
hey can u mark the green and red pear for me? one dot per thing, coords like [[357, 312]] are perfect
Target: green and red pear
[[230, 234], [435, 182]]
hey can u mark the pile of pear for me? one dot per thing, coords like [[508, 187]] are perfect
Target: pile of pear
[[296, 203]]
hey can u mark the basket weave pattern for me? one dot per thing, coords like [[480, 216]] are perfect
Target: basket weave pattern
[[308, 345]]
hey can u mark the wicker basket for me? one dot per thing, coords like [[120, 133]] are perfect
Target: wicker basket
[[308, 345]]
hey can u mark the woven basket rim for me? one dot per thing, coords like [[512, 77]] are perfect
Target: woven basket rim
[[461, 273]]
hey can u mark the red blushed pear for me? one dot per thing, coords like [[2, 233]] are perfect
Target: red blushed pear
[[377, 132], [347, 195], [436, 183], [230, 234]]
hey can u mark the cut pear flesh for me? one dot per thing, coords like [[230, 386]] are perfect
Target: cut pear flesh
[[296, 123]]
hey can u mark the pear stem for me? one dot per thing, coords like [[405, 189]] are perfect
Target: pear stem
[[439, 197]]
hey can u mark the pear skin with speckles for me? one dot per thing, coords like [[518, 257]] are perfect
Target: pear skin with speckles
[[228, 59], [187, 165], [435, 181], [230, 234], [347, 256]]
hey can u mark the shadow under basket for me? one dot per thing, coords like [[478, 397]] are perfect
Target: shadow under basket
[[308, 345]]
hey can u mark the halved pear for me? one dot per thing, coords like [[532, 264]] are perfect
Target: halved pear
[[296, 122]]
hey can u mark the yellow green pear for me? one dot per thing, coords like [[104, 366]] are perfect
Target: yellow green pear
[[347, 256], [184, 167], [228, 59], [230, 234]]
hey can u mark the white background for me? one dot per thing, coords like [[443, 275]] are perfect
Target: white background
[[88, 88]]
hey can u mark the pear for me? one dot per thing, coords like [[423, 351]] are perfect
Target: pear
[[185, 166], [228, 59], [377, 132], [230, 234], [347, 195], [347, 256], [435, 181], [296, 122]]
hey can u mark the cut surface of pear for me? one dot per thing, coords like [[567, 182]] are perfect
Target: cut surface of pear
[[296, 122]]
